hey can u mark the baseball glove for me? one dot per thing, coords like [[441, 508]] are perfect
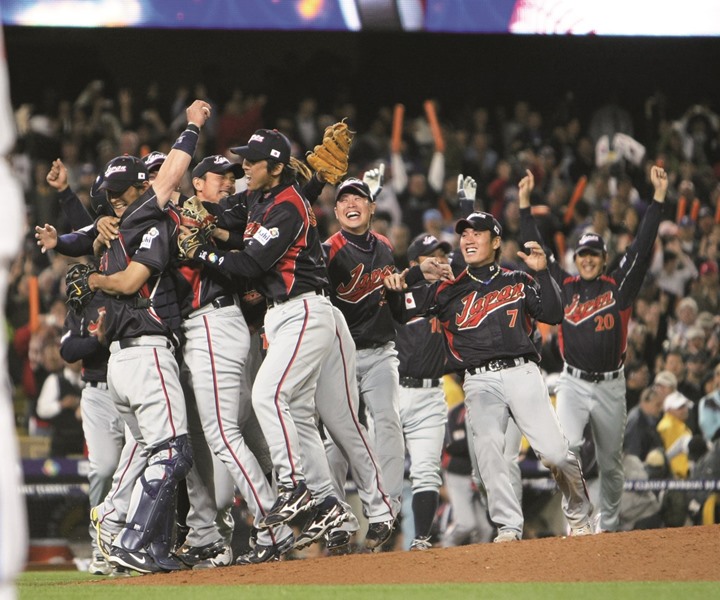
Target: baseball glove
[[330, 159], [77, 287], [188, 244], [194, 215]]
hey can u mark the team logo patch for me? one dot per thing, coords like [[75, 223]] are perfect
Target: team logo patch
[[263, 235], [210, 257], [148, 238]]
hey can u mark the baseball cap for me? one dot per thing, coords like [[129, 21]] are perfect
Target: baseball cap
[[479, 221], [154, 160], [666, 378], [355, 186], [217, 164], [265, 144], [591, 242], [709, 267], [425, 245], [676, 400], [122, 172]]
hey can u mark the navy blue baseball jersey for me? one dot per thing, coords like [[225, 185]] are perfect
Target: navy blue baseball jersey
[[282, 250], [79, 342], [148, 237], [593, 334], [487, 313], [357, 266]]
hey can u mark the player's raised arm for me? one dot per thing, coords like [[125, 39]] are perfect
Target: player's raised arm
[[178, 159]]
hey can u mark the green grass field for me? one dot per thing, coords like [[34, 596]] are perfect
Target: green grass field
[[63, 585]]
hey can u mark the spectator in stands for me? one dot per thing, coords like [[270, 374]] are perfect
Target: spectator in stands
[[641, 434], [59, 402], [709, 410], [675, 434]]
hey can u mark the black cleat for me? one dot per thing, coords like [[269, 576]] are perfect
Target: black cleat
[[328, 515], [135, 561], [337, 542], [378, 534], [290, 503], [193, 555], [261, 553]]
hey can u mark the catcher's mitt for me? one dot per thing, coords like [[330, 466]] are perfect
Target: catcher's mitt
[[193, 214], [188, 244], [330, 159], [77, 287]]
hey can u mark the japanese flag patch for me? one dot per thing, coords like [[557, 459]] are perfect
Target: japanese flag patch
[[409, 300]]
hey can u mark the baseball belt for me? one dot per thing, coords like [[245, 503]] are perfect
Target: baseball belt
[[594, 377], [498, 365], [413, 382]]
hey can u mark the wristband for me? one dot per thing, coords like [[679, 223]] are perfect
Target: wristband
[[188, 139]]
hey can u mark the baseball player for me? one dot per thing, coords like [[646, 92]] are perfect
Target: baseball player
[[486, 314], [217, 342], [423, 412], [83, 339], [597, 308], [282, 253], [358, 260], [142, 322]]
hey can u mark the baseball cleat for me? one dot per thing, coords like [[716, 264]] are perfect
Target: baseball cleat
[[325, 516], [135, 561], [192, 556], [262, 553], [378, 533], [99, 566], [103, 537], [421, 543], [290, 503], [337, 542], [224, 559], [507, 535]]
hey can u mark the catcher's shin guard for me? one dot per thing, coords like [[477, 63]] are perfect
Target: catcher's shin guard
[[154, 516]]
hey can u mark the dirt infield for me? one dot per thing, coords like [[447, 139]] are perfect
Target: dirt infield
[[685, 554]]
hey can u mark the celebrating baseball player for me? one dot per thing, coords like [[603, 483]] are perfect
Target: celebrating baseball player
[[282, 253], [593, 336], [486, 314], [423, 412], [142, 323]]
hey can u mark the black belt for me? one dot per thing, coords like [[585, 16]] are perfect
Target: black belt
[[223, 301], [413, 382], [275, 302], [592, 376], [137, 342], [498, 365], [101, 385]]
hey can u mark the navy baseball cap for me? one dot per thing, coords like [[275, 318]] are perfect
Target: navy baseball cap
[[217, 164], [265, 144], [122, 172], [353, 186], [480, 221], [154, 160], [591, 242], [425, 245]]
